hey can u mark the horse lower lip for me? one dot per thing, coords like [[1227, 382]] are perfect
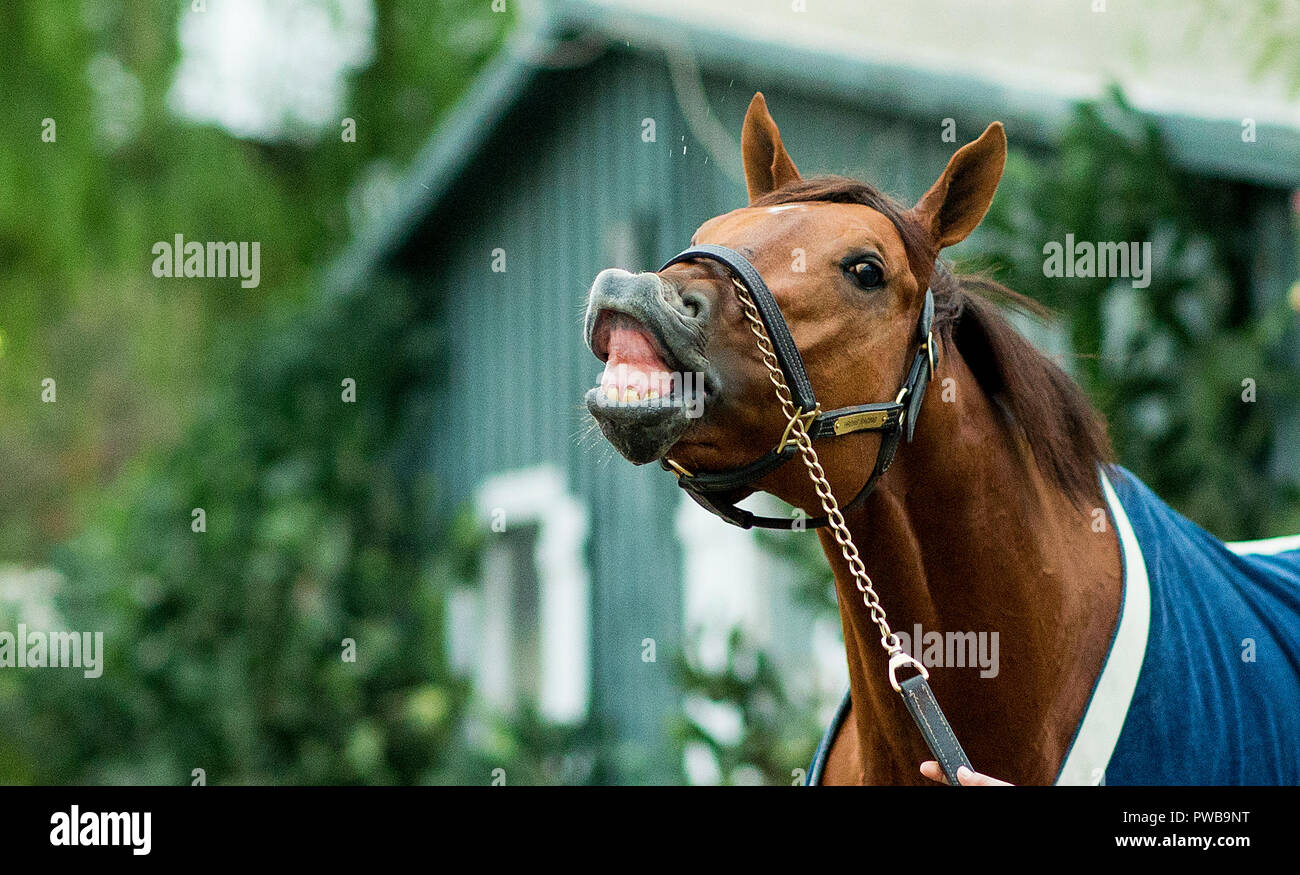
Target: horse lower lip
[[641, 432]]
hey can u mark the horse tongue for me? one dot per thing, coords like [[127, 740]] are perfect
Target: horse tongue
[[633, 362], [629, 345]]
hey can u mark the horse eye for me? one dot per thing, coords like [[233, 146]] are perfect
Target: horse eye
[[867, 274]]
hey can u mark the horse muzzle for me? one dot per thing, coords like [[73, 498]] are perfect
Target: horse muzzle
[[650, 338]]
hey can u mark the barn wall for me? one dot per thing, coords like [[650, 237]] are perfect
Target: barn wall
[[564, 186]]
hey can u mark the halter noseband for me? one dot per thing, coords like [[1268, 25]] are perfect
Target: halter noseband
[[893, 418]]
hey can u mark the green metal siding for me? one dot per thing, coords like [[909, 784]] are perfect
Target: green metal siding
[[555, 179]]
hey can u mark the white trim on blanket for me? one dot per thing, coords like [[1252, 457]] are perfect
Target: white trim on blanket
[[1103, 719], [1265, 547]]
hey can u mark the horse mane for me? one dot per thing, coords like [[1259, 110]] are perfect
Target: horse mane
[[1040, 404]]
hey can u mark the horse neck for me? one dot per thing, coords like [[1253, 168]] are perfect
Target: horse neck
[[964, 535]]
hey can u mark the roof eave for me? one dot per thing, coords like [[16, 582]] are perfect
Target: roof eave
[[442, 159], [1200, 145]]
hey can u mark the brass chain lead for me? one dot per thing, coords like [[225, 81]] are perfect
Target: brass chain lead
[[798, 433]]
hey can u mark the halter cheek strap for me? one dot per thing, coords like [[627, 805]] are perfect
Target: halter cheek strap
[[713, 489]]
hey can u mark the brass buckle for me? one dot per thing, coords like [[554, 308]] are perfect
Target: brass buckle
[[904, 658], [799, 416], [929, 350], [677, 469], [902, 414]]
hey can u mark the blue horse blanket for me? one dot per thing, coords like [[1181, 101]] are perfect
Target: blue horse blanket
[[1201, 684]]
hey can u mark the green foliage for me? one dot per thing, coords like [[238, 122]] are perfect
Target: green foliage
[[778, 732], [79, 215], [1171, 358], [225, 649], [1272, 29]]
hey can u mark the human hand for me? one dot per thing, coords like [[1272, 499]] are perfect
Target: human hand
[[965, 776]]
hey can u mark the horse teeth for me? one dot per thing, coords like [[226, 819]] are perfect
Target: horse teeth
[[611, 393], [631, 394], [651, 395]]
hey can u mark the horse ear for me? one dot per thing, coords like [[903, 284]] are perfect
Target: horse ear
[[767, 166], [955, 204]]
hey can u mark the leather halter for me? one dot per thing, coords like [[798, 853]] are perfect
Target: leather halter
[[894, 419]]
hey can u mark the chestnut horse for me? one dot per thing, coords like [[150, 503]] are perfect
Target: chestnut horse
[[994, 517]]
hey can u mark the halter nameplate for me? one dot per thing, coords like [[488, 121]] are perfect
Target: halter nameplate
[[870, 420]]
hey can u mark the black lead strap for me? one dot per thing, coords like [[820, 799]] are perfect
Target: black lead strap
[[714, 490], [934, 726]]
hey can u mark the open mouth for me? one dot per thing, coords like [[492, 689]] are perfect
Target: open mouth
[[638, 367], [644, 401]]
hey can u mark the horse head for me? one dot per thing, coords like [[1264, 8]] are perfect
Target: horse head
[[848, 268]]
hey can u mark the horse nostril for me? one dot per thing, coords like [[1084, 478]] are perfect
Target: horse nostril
[[693, 306]]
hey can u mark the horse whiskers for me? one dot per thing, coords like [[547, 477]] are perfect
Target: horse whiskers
[[590, 438]]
